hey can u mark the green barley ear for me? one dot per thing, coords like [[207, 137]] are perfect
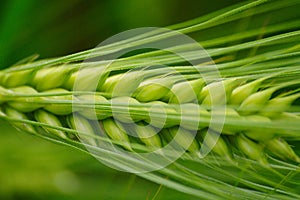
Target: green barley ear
[[282, 149], [25, 104], [116, 132], [50, 119], [58, 97], [251, 149]]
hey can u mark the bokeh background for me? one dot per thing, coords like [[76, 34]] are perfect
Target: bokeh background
[[34, 169]]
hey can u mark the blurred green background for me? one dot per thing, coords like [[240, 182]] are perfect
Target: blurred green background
[[34, 169]]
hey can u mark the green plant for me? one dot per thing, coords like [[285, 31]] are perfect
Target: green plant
[[257, 93]]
